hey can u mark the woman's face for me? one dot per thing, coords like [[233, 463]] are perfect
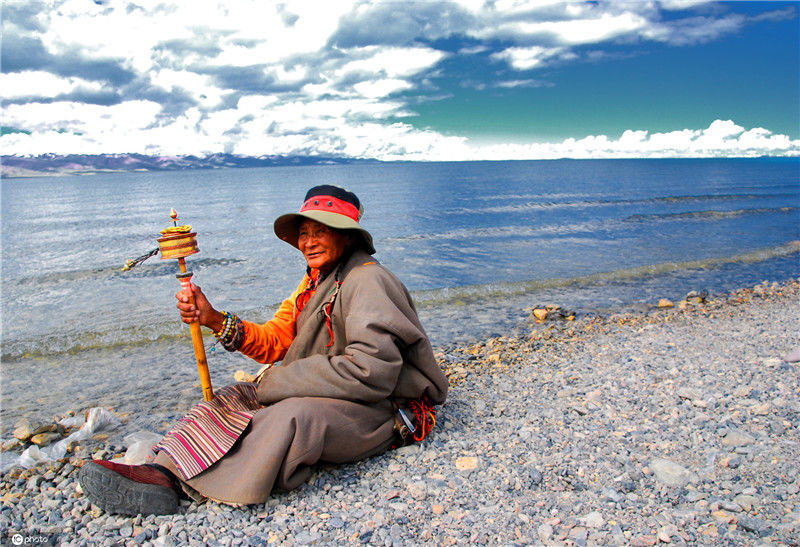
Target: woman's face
[[322, 246]]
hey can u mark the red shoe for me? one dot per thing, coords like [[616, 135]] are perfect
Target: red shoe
[[129, 489]]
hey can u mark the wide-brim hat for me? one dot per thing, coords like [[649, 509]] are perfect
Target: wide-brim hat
[[330, 205]]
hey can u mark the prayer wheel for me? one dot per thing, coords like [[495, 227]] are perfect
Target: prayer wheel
[[177, 241], [178, 245], [180, 242]]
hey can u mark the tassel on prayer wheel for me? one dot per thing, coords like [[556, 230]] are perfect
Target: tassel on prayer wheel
[[180, 242]]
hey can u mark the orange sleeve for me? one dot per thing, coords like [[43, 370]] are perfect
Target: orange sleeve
[[269, 342]]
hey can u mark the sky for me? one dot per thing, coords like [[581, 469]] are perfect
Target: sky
[[401, 80]]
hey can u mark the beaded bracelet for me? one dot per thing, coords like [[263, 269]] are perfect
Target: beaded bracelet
[[225, 320], [224, 334], [236, 337], [230, 325]]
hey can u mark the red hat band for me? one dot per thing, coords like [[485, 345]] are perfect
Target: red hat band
[[332, 205]]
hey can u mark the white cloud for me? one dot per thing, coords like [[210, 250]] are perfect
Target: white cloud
[[256, 77], [380, 88], [293, 129], [38, 83], [722, 138], [81, 117], [681, 4], [394, 62], [694, 30], [526, 58], [198, 86], [579, 31], [249, 31], [510, 84]]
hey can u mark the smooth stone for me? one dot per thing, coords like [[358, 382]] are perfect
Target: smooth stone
[[730, 506], [579, 535], [242, 376], [734, 462], [396, 531], [545, 532], [692, 497], [670, 473], [761, 410], [746, 501], [417, 490], [466, 463], [11, 444], [613, 495], [737, 438], [690, 393], [755, 525], [643, 541], [540, 314], [593, 520], [793, 356], [43, 439], [24, 430]]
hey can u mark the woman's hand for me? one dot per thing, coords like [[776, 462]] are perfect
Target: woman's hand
[[201, 311]]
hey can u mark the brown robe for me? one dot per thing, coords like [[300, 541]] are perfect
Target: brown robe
[[330, 402]]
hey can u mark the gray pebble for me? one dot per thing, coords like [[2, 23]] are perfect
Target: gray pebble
[[755, 525], [562, 435]]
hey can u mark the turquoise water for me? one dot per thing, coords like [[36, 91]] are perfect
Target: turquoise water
[[476, 243]]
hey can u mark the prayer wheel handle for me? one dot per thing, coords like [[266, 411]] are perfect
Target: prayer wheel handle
[[180, 242]]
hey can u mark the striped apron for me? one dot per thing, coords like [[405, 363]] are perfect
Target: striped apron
[[210, 429]]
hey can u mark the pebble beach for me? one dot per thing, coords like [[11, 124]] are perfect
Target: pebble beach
[[677, 424]]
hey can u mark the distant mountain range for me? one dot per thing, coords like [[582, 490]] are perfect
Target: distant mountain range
[[81, 164]]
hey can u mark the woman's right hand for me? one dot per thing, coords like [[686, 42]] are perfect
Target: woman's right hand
[[201, 311]]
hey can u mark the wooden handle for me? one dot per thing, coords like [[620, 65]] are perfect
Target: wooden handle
[[202, 364], [197, 340]]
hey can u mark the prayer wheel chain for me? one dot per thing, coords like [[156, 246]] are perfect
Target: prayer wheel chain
[[133, 262]]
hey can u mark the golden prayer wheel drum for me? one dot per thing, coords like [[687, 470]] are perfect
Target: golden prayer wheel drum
[[177, 244]]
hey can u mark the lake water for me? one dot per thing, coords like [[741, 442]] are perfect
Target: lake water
[[477, 244]]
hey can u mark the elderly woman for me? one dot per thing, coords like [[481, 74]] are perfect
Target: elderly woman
[[357, 376]]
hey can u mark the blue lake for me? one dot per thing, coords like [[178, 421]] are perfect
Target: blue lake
[[477, 243]]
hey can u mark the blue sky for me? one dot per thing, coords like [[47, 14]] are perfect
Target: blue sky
[[750, 75], [473, 79]]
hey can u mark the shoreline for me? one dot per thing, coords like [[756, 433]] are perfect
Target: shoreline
[[673, 425], [555, 333]]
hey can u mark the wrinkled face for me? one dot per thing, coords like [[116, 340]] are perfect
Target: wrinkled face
[[322, 246]]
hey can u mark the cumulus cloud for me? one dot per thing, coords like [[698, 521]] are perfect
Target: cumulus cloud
[[722, 138], [590, 29], [318, 78], [39, 83], [293, 129], [526, 58]]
